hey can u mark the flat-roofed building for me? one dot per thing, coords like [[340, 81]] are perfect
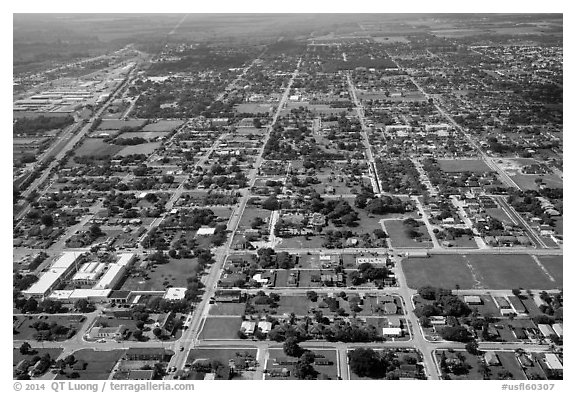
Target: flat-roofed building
[[546, 330], [60, 270], [558, 329], [112, 276], [553, 362], [175, 293]]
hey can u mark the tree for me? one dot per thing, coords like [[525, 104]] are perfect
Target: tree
[[365, 362], [84, 305], [455, 333], [312, 296], [157, 332], [427, 292], [47, 220], [516, 292], [270, 203], [137, 334], [291, 347], [25, 348], [472, 347], [95, 230]]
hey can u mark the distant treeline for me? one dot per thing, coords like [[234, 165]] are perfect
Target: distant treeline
[[34, 125]]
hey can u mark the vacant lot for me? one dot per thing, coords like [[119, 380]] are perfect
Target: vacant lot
[[99, 364], [160, 277], [476, 271], [97, 147], [301, 242], [398, 237], [477, 166], [216, 328]]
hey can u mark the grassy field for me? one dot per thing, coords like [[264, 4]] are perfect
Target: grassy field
[[509, 271], [555, 265], [299, 305], [330, 371], [148, 135], [144, 148], [499, 214], [396, 231], [477, 166], [26, 331], [227, 309], [163, 125], [526, 182], [117, 124], [476, 271], [221, 328], [99, 363], [174, 273], [438, 270], [97, 147], [254, 107], [17, 357], [223, 356], [301, 242]]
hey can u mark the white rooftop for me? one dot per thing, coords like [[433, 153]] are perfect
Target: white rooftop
[[175, 293]]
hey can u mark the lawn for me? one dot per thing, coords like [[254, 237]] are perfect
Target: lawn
[[476, 166], [330, 371], [97, 147], [499, 214], [99, 363], [216, 328], [396, 230], [160, 276], [250, 213]]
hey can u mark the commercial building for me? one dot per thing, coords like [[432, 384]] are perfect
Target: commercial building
[[60, 270]]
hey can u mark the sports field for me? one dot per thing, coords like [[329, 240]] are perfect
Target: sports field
[[475, 271]]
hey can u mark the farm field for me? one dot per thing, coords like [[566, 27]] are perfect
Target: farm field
[[215, 328], [396, 231], [477, 166]]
